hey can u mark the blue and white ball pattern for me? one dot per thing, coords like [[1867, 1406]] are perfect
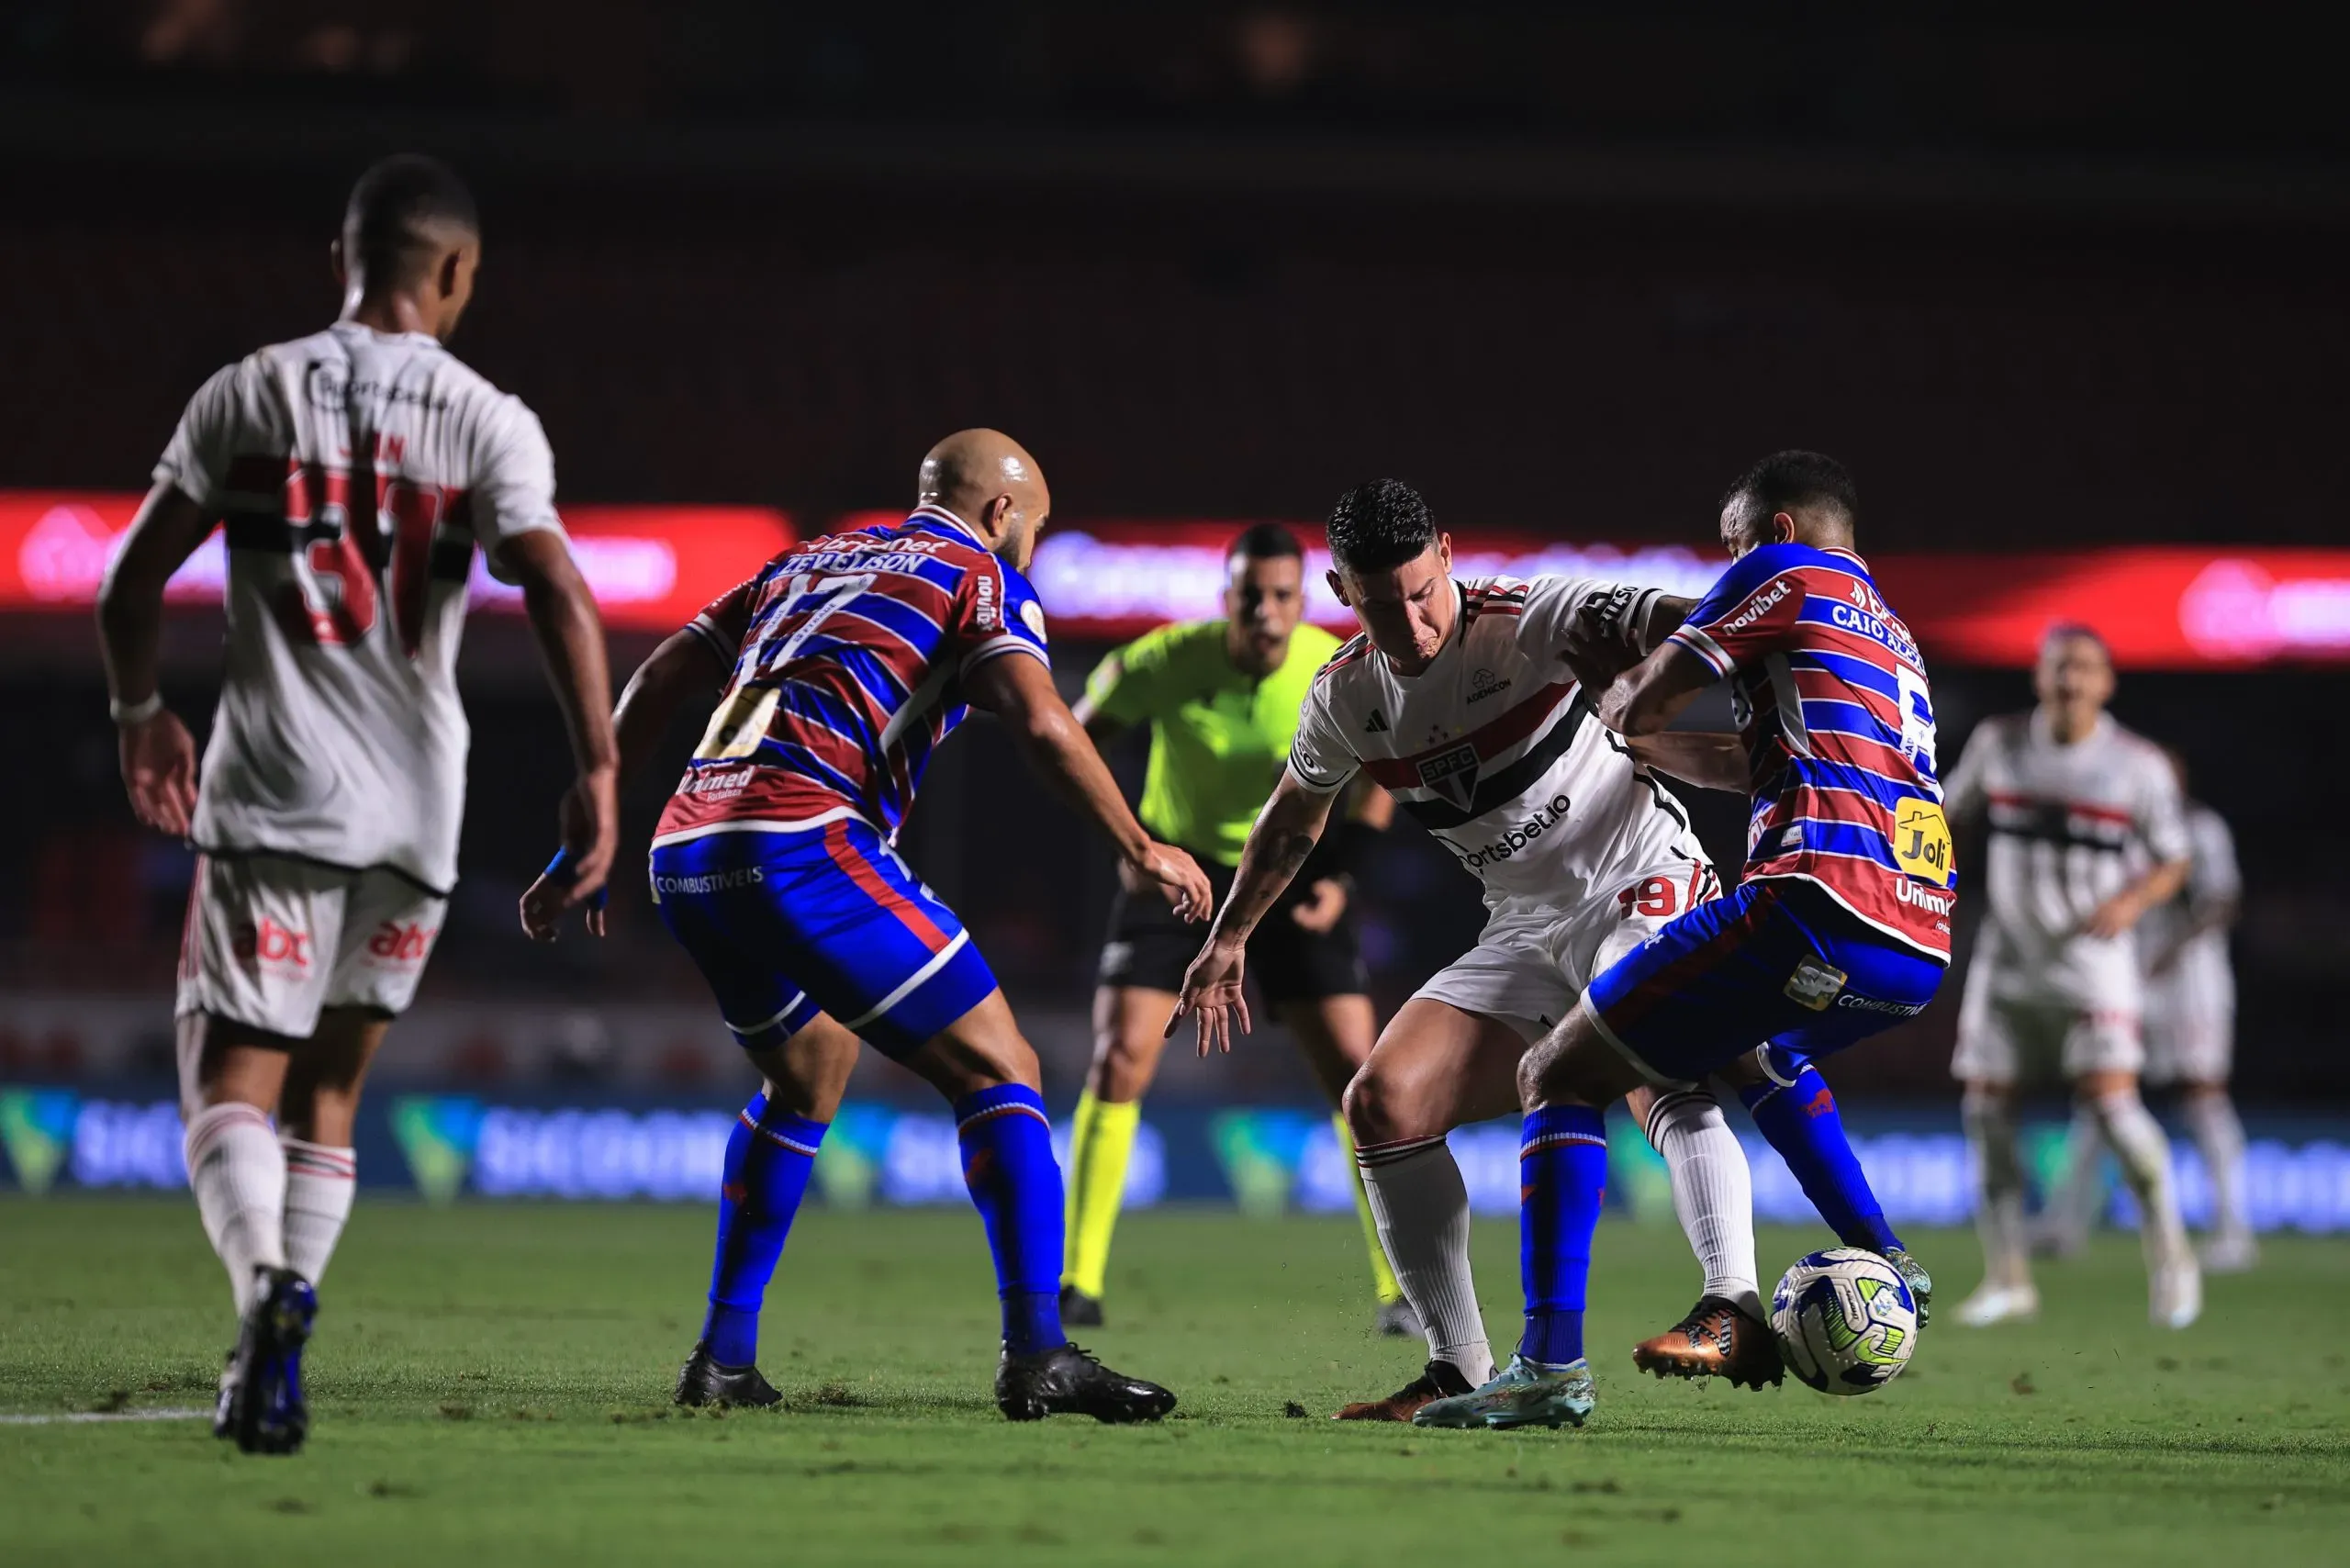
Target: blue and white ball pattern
[[1845, 1319]]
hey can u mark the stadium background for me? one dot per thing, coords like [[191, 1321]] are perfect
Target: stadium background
[[1566, 270]]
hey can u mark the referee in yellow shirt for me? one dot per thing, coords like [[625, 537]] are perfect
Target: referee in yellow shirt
[[1222, 700]]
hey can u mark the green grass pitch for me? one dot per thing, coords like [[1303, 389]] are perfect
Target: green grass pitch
[[490, 1386]]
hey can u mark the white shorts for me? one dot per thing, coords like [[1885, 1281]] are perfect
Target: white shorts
[[1530, 965], [2190, 1025], [270, 941], [2033, 1021]]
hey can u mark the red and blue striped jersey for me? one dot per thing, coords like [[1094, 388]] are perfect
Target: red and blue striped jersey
[[1831, 699], [848, 655]]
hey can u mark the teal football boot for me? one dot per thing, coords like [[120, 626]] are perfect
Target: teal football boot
[[1523, 1393]]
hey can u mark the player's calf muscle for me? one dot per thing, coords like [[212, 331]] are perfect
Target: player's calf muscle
[[1129, 1036]]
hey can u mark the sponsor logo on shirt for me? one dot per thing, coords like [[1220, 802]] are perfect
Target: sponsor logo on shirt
[[1758, 607], [1910, 893], [1485, 683], [715, 781], [1546, 816], [984, 609]]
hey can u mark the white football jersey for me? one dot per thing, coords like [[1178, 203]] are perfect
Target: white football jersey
[[1494, 748], [2070, 825], [2213, 880], [340, 737]]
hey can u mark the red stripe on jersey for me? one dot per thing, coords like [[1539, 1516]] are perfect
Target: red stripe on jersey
[[2118, 815], [1499, 735], [861, 872], [1349, 651]]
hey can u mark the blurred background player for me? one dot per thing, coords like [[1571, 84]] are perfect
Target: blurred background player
[[2190, 1025], [2087, 834], [1222, 700], [356, 469], [1840, 929], [845, 661]]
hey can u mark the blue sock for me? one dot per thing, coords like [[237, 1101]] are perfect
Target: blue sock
[[1801, 1122], [1007, 1165], [768, 1156], [1562, 1178]]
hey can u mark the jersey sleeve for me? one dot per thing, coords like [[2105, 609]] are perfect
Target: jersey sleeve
[[996, 612], [1319, 757], [1553, 603], [724, 619], [1750, 610], [2213, 877], [1124, 687], [196, 463], [513, 479], [2162, 810]]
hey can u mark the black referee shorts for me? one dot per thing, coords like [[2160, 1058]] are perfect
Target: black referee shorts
[[1148, 947]]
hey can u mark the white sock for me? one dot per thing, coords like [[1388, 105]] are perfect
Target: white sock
[[1990, 1123], [2072, 1206], [1422, 1207], [1713, 1191], [2144, 1153], [2212, 1119], [319, 1183], [238, 1172]]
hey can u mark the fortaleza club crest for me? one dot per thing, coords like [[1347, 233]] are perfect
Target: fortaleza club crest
[[1452, 774]]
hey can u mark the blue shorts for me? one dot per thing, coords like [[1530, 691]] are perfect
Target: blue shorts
[[786, 926], [1776, 962]]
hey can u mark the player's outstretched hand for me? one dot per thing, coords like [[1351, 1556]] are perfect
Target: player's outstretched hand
[[1178, 879], [1318, 912], [159, 770], [1212, 992]]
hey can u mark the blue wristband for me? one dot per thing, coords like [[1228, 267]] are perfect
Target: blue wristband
[[560, 869]]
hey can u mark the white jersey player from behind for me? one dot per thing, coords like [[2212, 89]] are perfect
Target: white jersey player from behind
[[2190, 1044], [355, 471], [2088, 834]]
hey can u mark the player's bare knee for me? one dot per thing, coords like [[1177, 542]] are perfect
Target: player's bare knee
[[1389, 1100]]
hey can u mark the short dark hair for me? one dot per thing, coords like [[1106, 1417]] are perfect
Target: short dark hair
[[1265, 542], [2067, 631], [1380, 525], [396, 207], [1785, 481]]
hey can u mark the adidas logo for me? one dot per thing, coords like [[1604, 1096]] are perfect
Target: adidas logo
[[1378, 725]]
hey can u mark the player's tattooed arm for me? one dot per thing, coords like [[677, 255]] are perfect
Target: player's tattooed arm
[[158, 754], [1019, 691], [685, 668], [1703, 758]]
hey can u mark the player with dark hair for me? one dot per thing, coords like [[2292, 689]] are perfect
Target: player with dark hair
[[2088, 833], [1221, 699], [1456, 700], [1839, 928], [845, 661], [357, 470]]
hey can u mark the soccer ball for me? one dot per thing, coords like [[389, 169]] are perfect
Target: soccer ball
[[1845, 1319]]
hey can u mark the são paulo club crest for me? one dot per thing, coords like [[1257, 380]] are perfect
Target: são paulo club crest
[[1452, 774]]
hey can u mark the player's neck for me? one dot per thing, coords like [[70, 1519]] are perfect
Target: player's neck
[[393, 310], [2069, 729]]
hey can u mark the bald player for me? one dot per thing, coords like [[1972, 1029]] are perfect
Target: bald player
[[356, 470], [843, 663]]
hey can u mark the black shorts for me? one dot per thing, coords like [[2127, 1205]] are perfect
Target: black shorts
[[1151, 948]]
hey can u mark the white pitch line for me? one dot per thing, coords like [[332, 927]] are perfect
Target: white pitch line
[[75, 1417]]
